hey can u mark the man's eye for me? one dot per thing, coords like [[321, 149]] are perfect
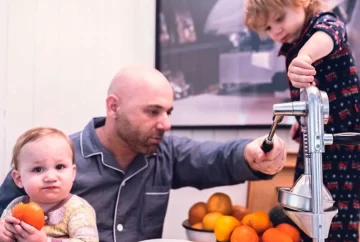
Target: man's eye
[[154, 112]]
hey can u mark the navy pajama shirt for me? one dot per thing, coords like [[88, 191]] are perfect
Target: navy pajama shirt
[[336, 75]]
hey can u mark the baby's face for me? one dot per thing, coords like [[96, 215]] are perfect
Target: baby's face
[[46, 170], [285, 26]]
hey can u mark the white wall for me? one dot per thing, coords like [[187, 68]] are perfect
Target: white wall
[[56, 60]]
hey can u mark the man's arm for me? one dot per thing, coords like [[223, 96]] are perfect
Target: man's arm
[[209, 164], [8, 192]]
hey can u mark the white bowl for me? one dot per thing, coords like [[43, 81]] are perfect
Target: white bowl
[[198, 235]]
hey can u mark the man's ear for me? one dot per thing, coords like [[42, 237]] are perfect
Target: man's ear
[[111, 105], [17, 178]]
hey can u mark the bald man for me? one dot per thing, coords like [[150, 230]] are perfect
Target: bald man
[[126, 166]]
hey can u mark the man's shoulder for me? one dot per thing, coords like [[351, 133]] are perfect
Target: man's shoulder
[[171, 142], [75, 136]]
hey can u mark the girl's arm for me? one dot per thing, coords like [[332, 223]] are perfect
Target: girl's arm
[[328, 36]]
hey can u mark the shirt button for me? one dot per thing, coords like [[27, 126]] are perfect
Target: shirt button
[[120, 227]]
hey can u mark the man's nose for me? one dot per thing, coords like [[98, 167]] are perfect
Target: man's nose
[[164, 124]]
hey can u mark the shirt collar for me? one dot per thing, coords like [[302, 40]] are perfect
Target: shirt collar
[[89, 142]]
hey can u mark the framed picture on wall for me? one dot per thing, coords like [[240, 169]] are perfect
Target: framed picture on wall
[[222, 74]]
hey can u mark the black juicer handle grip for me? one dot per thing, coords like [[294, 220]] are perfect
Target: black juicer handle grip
[[347, 138], [267, 145]]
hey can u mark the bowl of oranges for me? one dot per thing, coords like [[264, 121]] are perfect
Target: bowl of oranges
[[198, 233], [218, 220]]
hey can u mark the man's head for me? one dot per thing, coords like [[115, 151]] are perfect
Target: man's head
[[139, 103], [281, 20]]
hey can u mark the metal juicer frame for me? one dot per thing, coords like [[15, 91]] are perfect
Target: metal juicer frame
[[308, 203]]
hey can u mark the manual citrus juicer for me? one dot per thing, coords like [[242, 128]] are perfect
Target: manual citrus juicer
[[308, 203]]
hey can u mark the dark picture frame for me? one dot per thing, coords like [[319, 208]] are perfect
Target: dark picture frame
[[222, 74]]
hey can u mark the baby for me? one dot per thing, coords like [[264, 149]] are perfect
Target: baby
[[43, 165]]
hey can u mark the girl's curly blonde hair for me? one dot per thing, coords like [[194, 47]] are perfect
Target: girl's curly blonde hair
[[256, 12]]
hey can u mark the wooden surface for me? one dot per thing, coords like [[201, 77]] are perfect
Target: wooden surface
[[262, 195]]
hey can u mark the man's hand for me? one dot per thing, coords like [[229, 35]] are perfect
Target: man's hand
[[269, 163], [7, 229], [300, 72]]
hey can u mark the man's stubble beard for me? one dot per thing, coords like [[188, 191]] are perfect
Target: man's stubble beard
[[132, 136]]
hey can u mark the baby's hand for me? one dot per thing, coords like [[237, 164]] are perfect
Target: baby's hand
[[27, 233], [7, 230], [300, 72], [294, 134]]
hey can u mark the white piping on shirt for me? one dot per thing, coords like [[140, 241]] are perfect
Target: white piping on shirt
[[122, 183], [118, 196], [156, 193], [96, 153]]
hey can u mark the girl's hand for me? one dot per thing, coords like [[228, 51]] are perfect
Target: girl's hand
[[294, 132], [27, 233], [300, 72], [7, 230]]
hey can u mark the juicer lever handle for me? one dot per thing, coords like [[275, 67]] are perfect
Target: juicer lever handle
[[267, 145], [347, 138]]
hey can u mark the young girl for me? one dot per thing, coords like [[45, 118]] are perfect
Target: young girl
[[43, 162], [317, 52]]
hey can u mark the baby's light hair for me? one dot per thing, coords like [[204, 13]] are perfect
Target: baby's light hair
[[33, 135], [256, 12]]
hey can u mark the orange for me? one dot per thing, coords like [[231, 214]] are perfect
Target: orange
[[224, 226], [273, 234], [239, 212], [219, 202], [30, 213], [244, 233], [197, 226], [260, 221], [209, 220], [290, 230], [197, 213]]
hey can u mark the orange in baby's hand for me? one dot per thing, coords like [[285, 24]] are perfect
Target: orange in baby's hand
[[30, 213]]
